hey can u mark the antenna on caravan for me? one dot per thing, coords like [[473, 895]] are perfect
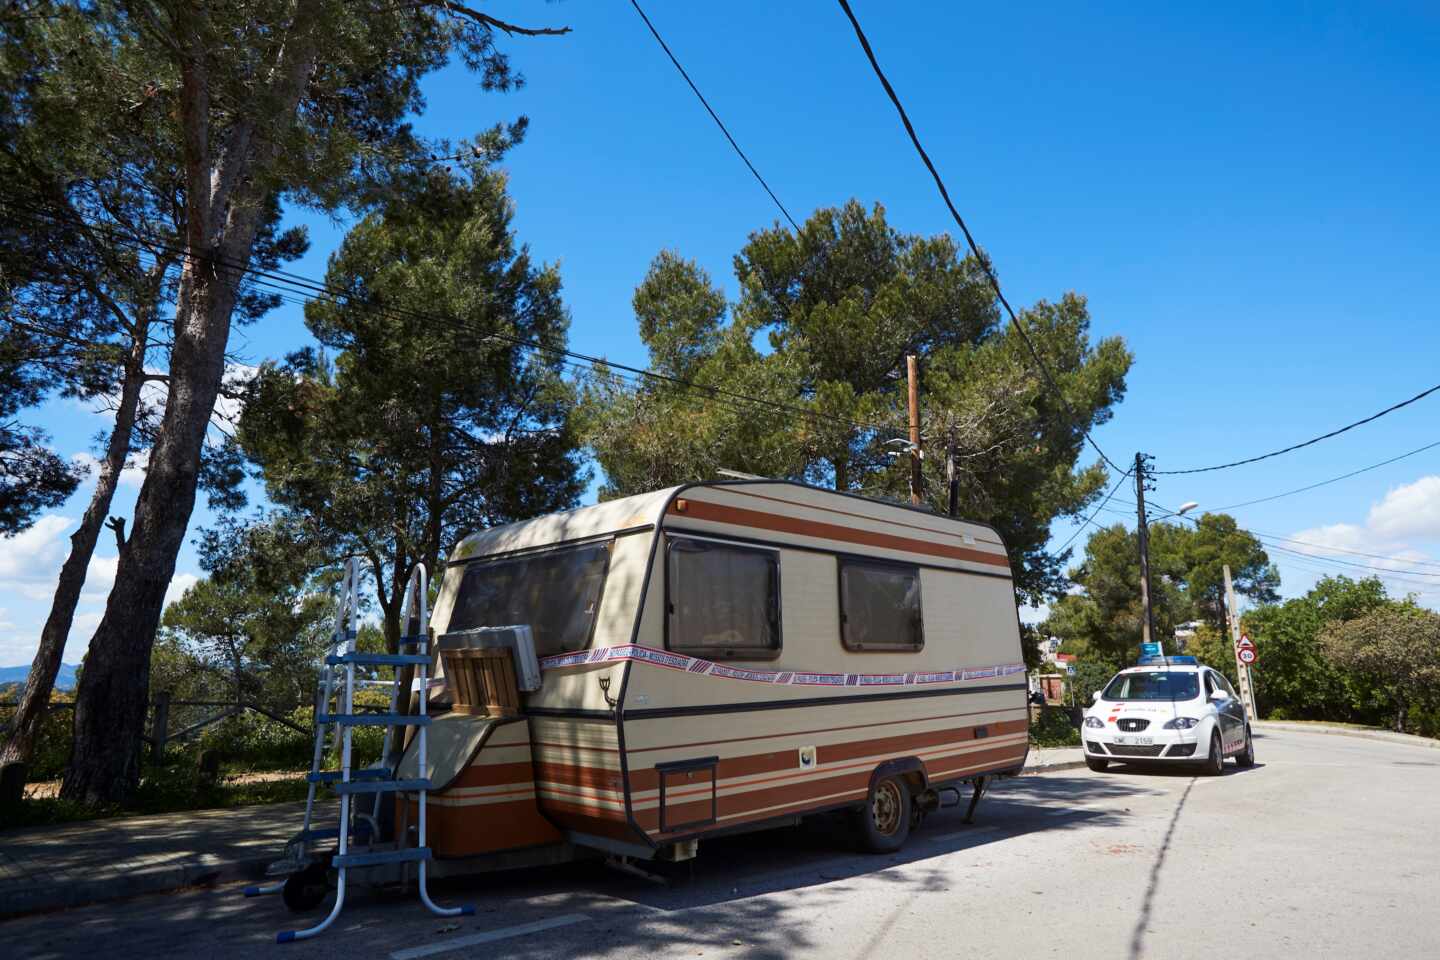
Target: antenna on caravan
[[737, 475]]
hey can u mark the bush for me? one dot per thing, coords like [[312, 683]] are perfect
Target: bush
[[52, 746], [1052, 728]]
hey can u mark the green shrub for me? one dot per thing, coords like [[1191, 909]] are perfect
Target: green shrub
[[1052, 728]]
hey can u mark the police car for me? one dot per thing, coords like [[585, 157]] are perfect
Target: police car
[[1167, 710]]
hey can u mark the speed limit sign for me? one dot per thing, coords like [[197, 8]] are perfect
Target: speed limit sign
[[1247, 655]]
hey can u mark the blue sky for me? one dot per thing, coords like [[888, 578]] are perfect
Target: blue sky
[[1247, 194]]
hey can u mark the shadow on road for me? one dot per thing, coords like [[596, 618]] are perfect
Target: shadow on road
[[1137, 937]]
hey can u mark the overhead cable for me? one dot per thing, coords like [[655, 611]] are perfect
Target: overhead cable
[[713, 115], [969, 240]]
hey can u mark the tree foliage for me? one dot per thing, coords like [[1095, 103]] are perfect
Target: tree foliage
[[32, 477], [1395, 650], [1186, 576], [803, 377], [1294, 679], [220, 112], [431, 419]]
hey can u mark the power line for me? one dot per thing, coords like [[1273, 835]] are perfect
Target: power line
[[713, 115], [959, 220], [1090, 520], [288, 282], [1344, 476], [1296, 446]]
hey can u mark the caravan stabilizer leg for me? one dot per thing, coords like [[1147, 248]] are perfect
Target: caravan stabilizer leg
[[975, 799]]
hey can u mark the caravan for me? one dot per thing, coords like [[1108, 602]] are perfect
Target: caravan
[[635, 676]]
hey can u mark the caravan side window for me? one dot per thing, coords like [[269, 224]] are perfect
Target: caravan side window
[[722, 600], [880, 606]]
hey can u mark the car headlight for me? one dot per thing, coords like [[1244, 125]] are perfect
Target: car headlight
[[1094, 722], [1181, 723]]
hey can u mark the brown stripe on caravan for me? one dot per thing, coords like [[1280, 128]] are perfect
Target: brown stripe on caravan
[[825, 800], [717, 513], [737, 492], [856, 781], [469, 830], [779, 760], [913, 741], [600, 778], [493, 775]]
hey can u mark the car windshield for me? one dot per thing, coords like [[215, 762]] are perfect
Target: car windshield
[[1157, 685]]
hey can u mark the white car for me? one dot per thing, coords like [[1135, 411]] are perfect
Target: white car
[[1167, 710]]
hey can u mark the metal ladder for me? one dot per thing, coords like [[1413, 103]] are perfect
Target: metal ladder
[[335, 719]]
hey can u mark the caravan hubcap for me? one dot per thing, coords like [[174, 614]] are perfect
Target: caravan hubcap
[[885, 808]]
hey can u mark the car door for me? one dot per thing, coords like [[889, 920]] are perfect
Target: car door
[[1235, 709], [1225, 718]]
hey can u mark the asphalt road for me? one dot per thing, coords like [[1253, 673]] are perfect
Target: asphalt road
[[1329, 847]]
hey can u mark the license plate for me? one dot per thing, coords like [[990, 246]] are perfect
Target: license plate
[[1136, 741]]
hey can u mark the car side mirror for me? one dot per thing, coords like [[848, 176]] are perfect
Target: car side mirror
[[1095, 697], [1219, 695]]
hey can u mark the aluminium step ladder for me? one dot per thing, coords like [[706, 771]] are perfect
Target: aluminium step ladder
[[335, 720]]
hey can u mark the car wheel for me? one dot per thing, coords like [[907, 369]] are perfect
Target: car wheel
[[1098, 764], [1246, 757], [884, 822], [1215, 762]]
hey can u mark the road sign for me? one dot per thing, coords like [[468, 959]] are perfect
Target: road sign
[[1150, 650], [1245, 641], [1247, 655]]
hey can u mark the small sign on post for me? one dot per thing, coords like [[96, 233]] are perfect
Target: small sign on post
[[1247, 655]]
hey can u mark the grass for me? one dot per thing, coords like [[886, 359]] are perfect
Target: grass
[[169, 789]]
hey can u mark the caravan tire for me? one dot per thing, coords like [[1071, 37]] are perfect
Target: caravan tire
[[884, 822]]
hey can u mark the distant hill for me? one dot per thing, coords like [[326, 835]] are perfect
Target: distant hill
[[64, 680]]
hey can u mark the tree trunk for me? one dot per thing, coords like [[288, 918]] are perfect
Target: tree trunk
[[114, 686], [30, 713]]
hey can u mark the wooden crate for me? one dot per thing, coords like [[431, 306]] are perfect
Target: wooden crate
[[482, 681]]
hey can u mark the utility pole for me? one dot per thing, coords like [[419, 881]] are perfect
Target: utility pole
[[917, 479], [1147, 624], [951, 478], [1242, 669]]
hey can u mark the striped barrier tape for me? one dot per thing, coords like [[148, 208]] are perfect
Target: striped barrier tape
[[695, 665]]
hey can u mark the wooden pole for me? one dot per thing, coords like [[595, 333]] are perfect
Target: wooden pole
[[1147, 622], [917, 480], [158, 726]]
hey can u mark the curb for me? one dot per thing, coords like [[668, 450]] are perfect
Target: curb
[[1383, 736], [42, 898], [1052, 767]]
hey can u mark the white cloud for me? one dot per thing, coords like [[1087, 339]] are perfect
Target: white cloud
[[1384, 546], [1412, 510], [178, 585], [38, 548], [100, 576]]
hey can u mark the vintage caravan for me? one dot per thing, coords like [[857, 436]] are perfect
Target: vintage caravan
[[714, 658]]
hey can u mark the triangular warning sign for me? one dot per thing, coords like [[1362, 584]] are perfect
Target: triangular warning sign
[[1245, 641]]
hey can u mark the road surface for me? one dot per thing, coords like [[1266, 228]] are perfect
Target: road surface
[[1329, 847]]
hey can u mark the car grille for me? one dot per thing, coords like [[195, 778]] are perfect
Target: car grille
[[1125, 750], [1182, 750], [1094, 747], [1132, 726]]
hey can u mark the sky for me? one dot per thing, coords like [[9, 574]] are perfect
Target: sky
[[1246, 193]]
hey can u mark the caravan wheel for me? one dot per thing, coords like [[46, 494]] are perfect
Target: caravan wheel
[[884, 822]]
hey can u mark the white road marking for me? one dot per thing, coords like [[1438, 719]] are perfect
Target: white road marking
[[489, 936]]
